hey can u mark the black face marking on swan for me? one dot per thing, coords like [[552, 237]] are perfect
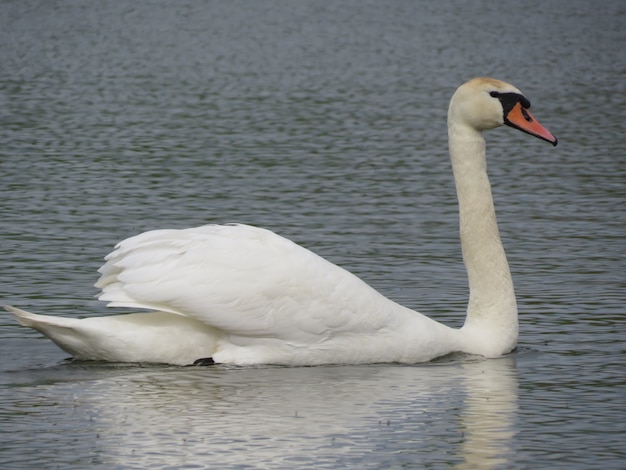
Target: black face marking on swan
[[509, 100]]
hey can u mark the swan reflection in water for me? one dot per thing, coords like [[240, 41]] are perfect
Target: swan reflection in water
[[460, 413], [489, 413]]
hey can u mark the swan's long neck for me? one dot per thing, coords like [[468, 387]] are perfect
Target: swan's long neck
[[491, 325]]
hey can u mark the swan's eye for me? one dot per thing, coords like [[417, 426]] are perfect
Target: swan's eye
[[494, 94]]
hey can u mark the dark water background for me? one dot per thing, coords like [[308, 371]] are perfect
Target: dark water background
[[324, 122]]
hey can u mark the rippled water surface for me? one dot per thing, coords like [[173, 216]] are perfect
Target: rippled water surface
[[324, 122]]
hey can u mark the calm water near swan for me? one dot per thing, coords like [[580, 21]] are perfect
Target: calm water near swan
[[324, 122]]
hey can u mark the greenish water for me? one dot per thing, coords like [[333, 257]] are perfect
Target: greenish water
[[324, 122]]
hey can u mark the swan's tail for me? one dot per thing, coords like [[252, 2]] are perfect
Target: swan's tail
[[38, 322], [156, 337], [61, 330]]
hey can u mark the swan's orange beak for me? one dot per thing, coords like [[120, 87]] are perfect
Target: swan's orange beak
[[520, 118]]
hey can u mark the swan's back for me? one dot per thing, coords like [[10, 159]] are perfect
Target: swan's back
[[260, 290], [214, 273]]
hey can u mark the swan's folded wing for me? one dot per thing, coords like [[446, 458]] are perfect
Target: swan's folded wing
[[243, 280]]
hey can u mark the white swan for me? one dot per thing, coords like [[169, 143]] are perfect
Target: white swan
[[243, 295]]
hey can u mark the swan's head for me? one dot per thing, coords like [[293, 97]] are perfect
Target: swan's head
[[486, 103]]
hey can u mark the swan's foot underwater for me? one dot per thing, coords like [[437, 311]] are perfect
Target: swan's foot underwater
[[204, 361]]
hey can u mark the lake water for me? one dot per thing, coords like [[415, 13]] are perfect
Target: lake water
[[325, 122]]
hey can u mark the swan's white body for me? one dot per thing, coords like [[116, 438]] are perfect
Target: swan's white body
[[244, 295]]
